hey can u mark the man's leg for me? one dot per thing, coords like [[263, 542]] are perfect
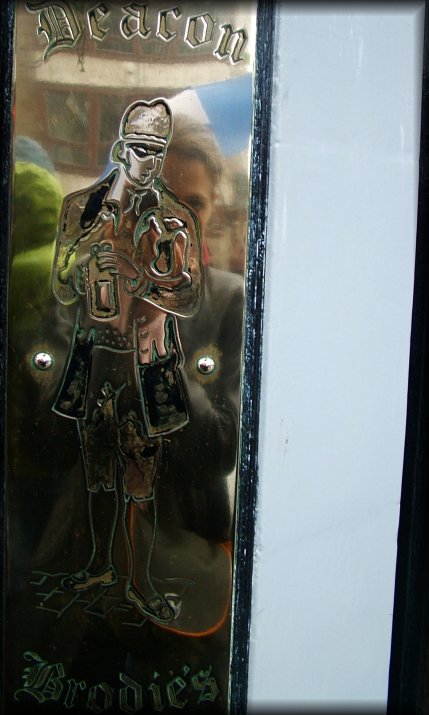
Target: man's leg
[[140, 527], [141, 456], [103, 517], [96, 439]]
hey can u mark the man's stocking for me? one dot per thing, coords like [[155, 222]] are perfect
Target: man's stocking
[[103, 515], [142, 591]]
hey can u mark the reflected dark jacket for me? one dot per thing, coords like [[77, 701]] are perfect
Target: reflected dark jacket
[[193, 484]]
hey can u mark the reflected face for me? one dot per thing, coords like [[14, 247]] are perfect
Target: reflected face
[[190, 182], [143, 163]]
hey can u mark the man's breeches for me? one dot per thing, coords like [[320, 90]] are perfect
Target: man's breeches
[[112, 434]]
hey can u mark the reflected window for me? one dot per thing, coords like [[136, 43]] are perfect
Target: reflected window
[[68, 116]]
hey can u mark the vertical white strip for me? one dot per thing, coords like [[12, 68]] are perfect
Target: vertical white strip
[[339, 285]]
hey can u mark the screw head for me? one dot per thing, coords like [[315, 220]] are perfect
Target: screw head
[[43, 361], [206, 365]]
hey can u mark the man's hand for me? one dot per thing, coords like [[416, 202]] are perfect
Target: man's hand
[[117, 263], [166, 253]]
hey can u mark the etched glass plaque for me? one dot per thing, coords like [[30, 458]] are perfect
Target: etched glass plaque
[[130, 202]]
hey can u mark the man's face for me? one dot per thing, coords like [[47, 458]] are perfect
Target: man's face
[[143, 162], [189, 181]]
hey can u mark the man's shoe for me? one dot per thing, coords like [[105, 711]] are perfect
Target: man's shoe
[[84, 580], [157, 608]]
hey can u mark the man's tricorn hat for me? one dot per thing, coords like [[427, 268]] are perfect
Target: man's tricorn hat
[[147, 122]]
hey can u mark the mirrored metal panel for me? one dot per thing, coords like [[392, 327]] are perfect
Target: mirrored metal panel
[[130, 200]]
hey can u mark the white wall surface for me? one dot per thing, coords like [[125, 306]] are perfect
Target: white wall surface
[[339, 281]]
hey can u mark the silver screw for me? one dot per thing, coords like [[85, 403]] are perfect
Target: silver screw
[[206, 365], [43, 361]]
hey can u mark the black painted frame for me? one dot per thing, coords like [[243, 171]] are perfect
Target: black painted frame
[[252, 355], [6, 74]]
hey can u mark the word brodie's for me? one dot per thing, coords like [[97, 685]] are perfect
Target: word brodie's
[[47, 683]]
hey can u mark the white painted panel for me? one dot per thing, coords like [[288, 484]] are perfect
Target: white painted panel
[[339, 282]]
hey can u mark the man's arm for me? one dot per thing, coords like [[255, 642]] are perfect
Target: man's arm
[[61, 274], [169, 247], [80, 215]]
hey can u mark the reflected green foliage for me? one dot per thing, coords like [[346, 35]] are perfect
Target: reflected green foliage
[[37, 198]]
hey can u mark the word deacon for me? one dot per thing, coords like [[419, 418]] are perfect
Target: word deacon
[[63, 27], [47, 683]]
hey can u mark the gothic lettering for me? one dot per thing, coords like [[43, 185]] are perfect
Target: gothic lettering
[[231, 39], [206, 684], [174, 687], [59, 23], [163, 31], [199, 30], [155, 691], [41, 681], [70, 699], [134, 22], [130, 697], [100, 698], [62, 27], [95, 16]]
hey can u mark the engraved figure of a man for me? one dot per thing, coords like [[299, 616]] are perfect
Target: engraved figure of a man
[[128, 255]]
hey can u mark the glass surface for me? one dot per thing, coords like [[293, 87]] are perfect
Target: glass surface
[[132, 129]]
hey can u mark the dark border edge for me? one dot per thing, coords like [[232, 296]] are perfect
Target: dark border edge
[[7, 22], [408, 690], [252, 356]]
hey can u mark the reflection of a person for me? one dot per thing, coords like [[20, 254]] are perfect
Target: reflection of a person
[[204, 452], [129, 254]]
